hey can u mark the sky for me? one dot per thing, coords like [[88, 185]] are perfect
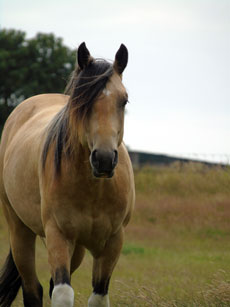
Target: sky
[[178, 75]]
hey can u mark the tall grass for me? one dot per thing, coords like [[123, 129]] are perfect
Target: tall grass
[[182, 219], [183, 180]]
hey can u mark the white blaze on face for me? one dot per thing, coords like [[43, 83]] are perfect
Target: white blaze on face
[[62, 296], [97, 300], [106, 92]]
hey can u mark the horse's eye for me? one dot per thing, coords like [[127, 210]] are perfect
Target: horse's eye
[[124, 103]]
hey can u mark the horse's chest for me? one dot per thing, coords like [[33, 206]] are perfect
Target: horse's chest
[[91, 221], [93, 218], [91, 213]]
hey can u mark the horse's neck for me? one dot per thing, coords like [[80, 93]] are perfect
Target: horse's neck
[[77, 155], [79, 161]]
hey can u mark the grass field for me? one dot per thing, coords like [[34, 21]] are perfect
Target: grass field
[[177, 248]]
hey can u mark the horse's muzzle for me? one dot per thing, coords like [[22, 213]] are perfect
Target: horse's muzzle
[[103, 162]]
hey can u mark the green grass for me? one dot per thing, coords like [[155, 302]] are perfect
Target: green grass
[[177, 247]]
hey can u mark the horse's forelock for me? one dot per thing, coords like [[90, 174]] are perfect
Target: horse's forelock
[[87, 86]]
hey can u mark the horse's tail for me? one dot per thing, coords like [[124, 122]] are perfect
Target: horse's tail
[[10, 282]]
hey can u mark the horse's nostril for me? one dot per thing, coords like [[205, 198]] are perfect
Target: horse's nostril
[[94, 154], [94, 159], [115, 158]]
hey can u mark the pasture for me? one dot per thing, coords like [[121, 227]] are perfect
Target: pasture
[[177, 246]]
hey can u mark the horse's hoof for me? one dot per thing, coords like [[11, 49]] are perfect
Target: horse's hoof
[[97, 300], [62, 296]]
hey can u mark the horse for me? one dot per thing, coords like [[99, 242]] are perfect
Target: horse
[[66, 176]]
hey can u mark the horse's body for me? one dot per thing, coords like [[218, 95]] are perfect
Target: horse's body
[[47, 188]]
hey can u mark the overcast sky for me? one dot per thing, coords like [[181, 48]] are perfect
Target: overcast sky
[[178, 76]]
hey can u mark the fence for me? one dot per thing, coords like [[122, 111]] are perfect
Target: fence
[[141, 158]]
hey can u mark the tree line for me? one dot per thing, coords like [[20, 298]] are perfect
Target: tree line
[[31, 66]]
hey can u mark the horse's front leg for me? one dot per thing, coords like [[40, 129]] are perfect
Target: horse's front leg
[[102, 270], [60, 250]]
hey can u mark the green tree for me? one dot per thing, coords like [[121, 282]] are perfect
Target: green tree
[[12, 49], [50, 64], [31, 67]]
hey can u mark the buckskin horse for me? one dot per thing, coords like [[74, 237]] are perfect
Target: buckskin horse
[[66, 176]]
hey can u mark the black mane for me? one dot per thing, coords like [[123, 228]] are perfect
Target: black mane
[[84, 88], [88, 85]]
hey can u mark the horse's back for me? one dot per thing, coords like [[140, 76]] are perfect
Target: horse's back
[[43, 106], [20, 151]]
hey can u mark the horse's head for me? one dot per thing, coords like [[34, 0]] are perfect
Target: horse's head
[[106, 127], [106, 100]]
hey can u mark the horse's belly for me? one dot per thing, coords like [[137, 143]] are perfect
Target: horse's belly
[[25, 200], [21, 183]]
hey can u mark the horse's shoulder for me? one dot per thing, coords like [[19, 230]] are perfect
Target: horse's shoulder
[[44, 106]]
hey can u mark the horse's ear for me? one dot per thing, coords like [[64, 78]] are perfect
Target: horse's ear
[[121, 59], [83, 56]]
